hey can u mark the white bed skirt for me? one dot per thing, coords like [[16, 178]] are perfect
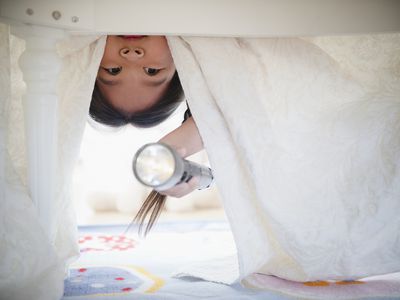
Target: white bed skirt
[[37, 225], [303, 136]]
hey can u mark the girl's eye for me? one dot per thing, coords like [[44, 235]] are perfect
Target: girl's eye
[[151, 71], [113, 71]]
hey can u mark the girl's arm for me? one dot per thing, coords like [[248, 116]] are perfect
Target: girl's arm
[[186, 140]]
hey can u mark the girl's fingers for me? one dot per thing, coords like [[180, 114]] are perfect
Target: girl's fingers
[[182, 189]]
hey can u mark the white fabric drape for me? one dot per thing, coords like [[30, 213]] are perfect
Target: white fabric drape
[[32, 264], [81, 58], [303, 136], [28, 263]]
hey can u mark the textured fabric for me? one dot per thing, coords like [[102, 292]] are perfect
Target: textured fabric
[[30, 268], [33, 264], [81, 56], [303, 137]]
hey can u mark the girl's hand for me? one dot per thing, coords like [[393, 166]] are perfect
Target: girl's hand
[[186, 141]]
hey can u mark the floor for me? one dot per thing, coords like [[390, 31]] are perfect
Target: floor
[[106, 218]]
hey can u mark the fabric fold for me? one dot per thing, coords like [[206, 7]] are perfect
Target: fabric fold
[[29, 263], [33, 265], [304, 147], [81, 58]]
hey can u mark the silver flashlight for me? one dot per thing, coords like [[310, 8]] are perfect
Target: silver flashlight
[[159, 166]]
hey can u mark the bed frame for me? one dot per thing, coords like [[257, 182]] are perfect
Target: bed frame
[[209, 17]]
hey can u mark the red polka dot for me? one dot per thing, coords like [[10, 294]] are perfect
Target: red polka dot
[[82, 270], [120, 278], [128, 289]]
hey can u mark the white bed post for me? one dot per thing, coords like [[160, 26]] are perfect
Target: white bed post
[[40, 65], [41, 23]]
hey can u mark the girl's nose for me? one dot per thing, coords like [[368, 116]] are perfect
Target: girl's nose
[[132, 53]]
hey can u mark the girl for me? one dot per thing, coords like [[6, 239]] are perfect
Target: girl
[[137, 84]]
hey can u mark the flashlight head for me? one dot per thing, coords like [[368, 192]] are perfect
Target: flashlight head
[[154, 164]]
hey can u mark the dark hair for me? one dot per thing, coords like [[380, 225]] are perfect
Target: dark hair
[[103, 112], [153, 205]]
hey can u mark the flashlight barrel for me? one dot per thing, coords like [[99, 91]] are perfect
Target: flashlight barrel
[[192, 169]]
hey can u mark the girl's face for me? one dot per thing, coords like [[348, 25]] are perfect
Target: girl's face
[[135, 71]]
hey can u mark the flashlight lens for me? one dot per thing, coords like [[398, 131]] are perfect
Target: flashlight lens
[[155, 164]]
